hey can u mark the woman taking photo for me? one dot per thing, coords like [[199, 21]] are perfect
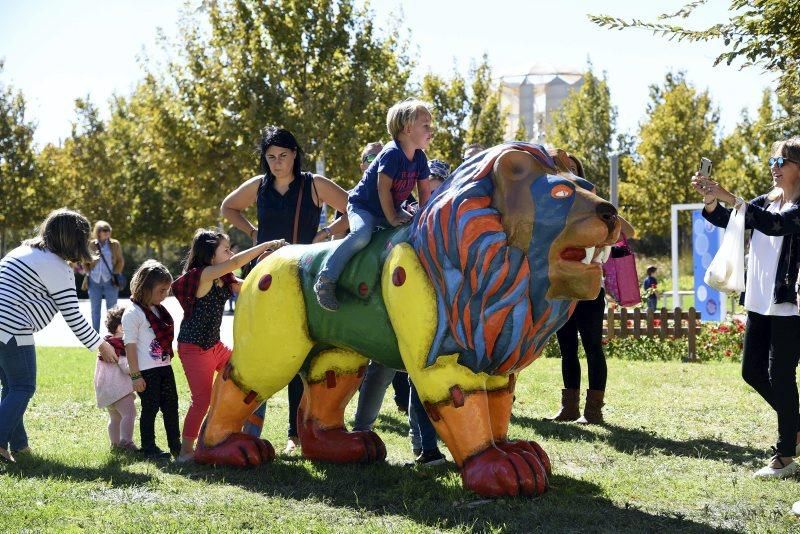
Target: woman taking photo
[[289, 204], [772, 334]]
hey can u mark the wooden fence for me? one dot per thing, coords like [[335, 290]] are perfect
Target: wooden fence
[[664, 323]]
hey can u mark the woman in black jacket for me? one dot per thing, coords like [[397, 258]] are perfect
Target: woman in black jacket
[[772, 334]]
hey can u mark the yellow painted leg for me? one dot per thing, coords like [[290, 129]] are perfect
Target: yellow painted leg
[[455, 397]]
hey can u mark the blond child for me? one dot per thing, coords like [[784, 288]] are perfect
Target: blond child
[[386, 184]]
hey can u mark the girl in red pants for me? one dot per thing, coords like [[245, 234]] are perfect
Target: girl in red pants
[[205, 286]]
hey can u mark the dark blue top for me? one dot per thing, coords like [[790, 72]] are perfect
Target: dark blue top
[[276, 211], [404, 173]]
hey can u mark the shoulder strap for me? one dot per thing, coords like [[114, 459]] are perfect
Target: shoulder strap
[[297, 209], [105, 262]]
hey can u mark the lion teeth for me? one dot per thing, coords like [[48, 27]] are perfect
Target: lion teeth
[[589, 255]]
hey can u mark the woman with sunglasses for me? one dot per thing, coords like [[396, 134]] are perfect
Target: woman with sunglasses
[[103, 274], [772, 334]]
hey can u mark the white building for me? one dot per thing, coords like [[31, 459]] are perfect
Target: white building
[[534, 97]]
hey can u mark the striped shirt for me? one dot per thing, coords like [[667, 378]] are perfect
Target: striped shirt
[[36, 284]]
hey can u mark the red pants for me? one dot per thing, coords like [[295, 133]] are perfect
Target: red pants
[[199, 366]]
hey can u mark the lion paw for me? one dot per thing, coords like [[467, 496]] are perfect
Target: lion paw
[[524, 448], [495, 473], [237, 450], [337, 445]]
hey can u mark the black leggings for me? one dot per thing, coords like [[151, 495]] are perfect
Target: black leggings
[[769, 364], [160, 393], [588, 321]]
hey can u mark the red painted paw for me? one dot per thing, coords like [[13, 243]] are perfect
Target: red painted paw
[[339, 446], [238, 450], [495, 473], [524, 448]]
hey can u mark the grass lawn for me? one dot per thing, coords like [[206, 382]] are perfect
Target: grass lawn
[[677, 454]]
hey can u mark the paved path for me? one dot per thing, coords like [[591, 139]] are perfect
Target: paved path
[[58, 334]]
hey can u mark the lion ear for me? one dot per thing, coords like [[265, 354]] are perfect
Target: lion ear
[[515, 165]]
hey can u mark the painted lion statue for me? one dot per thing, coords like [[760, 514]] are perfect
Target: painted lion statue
[[463, 298]]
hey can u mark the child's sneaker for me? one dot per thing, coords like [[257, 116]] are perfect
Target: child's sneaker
[[430, 458], [325, 290], [155, 454]]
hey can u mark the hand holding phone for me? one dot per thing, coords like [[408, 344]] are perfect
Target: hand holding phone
[[705, 167]]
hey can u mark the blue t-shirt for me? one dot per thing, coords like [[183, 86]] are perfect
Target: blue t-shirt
[[404, 173]]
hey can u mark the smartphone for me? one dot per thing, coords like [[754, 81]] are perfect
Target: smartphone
[[705, 167]]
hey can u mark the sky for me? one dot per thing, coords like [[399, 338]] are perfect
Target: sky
[[55, 52]]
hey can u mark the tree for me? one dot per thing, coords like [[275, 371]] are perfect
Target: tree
[[487, 122], [680, 129], [522, 131], [451, 106], [744, 153], [761, 33], [22, 198], [315, 67], [585, 125]]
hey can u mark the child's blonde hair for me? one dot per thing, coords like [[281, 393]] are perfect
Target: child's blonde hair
[[405, 113], [149, 274]]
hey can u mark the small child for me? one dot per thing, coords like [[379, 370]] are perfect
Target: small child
[[202, 290], [650, 286], [113, 387], [148, 330], [386, 183]]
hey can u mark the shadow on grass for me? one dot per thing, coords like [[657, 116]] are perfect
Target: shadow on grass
[[111, 472], [646, 442], [394, 423], [434, 498]]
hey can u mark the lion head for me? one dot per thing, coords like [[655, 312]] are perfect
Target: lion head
[[510, 241]]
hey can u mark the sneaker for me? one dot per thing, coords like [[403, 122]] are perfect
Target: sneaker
[[430, 458], [796, 508], [780, 472], [184, 458], [325, 290], [155, 454], [416, 452], [291, 445]]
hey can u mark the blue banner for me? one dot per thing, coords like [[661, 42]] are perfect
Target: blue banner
[[706, 239]]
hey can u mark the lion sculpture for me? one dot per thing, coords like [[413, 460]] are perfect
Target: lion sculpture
[[463, 298]]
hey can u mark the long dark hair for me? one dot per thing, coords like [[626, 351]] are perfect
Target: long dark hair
[[65, 233], [204, 245], [274, 136]]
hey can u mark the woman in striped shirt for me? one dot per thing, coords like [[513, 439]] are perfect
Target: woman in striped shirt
[[35, 283]]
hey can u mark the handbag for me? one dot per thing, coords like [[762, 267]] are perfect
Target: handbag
[[726, 271], [621, 279]]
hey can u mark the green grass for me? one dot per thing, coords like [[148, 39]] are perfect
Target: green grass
[[677, 454]]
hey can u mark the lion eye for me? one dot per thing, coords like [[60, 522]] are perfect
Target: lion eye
[[561, 191]]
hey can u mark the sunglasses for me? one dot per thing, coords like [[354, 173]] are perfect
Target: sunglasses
[[369, 158], [780, 162]]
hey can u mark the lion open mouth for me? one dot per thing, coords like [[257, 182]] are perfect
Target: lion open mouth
[[587, 255]]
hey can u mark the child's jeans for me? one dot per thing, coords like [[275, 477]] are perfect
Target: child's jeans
[[362, 224], [121, 417], [160, 394]]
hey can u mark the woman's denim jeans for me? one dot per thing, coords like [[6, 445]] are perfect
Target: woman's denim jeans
[[18, 382], [98, 292]]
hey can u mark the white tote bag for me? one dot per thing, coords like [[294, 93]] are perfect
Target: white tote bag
[[726, 271]]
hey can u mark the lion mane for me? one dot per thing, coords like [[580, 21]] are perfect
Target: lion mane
[[482, 283]]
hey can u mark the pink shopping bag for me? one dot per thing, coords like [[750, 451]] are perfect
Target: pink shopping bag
[[622, 282]]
